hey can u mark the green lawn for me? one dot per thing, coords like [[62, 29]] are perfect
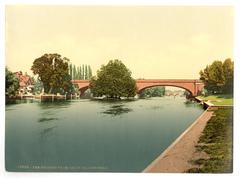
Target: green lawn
[[216, 141], [218, 99]]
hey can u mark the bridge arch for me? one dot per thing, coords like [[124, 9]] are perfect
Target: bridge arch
[[193, 86], [177, 86], [83, 89]]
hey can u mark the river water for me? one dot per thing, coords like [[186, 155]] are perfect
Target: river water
[[89, 136]]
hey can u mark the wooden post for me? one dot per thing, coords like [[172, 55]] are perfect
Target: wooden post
[[52, 98]]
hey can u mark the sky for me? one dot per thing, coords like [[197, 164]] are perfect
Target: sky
[[154, 42]]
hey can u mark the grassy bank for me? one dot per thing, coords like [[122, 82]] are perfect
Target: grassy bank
[[216, 141], [218, 99]]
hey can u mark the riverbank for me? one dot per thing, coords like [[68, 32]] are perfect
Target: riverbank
[[217, 100], [191, 151], [217, 144], [41, 97], [175, 159]]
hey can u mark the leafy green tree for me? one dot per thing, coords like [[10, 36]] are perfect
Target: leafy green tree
[[218, 77], [228, 69], [12, 83], [113, 81], [52, 71]]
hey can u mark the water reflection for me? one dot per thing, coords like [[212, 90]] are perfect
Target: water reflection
[[117, 110], [47, 132], [54, 105], [189, 103], [47, 119], [156, 107], [18, 101]]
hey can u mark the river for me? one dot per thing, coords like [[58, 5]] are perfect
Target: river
[[93, 136]]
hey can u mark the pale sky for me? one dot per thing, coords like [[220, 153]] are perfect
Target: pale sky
[[153, 41]]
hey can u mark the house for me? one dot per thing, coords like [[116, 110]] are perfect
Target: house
[[25, 83]]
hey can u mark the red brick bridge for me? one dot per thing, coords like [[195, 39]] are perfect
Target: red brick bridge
[[191, 85]]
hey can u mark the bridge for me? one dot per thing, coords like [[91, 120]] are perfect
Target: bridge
[[194, 86]]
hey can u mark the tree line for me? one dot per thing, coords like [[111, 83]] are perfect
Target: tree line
[[82, 72], [113, 80], [157, 91], [218, 77]]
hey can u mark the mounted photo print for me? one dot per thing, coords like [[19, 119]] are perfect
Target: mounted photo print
[[145, 89]]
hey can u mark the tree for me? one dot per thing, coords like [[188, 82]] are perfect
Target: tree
[[12, 83], [113, 81], [228, 68], [38, 86], [74, 72], [218, 77], [80, 73], [83, 73], [89, 72], [71, 70], [153, 92], [86, 72], [52, 71]]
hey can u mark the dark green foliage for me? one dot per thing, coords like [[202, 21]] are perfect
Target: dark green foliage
[[53, 72], [47, 119], [199, 161], [216, 141], [153, 92], [12, 83], [218, 77], [113, 81], [117, 110], [228, 69]]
